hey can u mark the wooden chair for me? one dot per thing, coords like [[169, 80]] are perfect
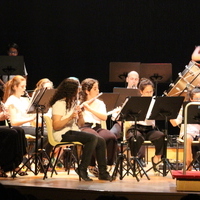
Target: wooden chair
[[56, 145]]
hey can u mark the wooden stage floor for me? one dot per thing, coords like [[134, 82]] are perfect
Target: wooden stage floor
[[64, 187]]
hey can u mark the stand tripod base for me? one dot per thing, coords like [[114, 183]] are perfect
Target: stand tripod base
[[37, 159], [195, 161], [166, 167], [125, 166]]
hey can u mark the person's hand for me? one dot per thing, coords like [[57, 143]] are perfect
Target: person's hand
[[86, 105], [4, 116]]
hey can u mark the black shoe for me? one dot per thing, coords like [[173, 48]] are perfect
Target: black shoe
[[105, 176], [83, 174]]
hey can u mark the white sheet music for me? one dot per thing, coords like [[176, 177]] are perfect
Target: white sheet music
[[153, 100]]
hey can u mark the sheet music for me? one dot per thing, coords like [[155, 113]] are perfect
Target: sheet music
[[153, 100], [35, 99], [117, 117]]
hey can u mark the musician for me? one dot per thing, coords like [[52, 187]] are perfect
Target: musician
[[45, 83], [132, 81], [146, 130], [67, 118], [196, 54], [13, 50], [17, 108], [93, 113], [12, 146], [192, 129]]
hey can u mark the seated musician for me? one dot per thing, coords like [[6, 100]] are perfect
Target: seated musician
[[192, 129], [67, 118], [13, 146], [146, 130], [196, 54], [132, 81], [93, 113], [17, 107]]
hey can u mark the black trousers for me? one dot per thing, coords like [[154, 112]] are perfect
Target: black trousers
[[111, 143], [137, 138], [91, 142], [12, 147]]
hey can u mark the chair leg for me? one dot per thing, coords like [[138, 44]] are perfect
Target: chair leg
[[194, 160], [68, 158], [50, 164], [57, 158], [77, 159]]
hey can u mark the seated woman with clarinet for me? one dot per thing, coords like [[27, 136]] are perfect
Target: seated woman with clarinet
[[18, 106], [12, 145]]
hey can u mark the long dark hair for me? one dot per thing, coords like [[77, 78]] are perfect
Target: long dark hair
[[67, 90]]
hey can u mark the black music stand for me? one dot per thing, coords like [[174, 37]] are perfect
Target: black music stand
[[11, 65], [134, 109], [39, 104], [165, 108], [110, 99]]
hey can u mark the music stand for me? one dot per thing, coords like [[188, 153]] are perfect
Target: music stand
[[134, 109], [125, 92], [157, 72], [165, 108], [39, 104], [11, 65], [110, 99], [118, 70]]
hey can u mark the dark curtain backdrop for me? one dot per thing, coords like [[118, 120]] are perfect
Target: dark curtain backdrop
[[80, 37]]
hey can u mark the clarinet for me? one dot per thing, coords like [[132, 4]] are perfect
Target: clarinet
[[27, 95], [4, 110]]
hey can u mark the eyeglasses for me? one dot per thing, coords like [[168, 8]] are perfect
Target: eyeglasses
[[196, 99], [13, 52], [148, 92]]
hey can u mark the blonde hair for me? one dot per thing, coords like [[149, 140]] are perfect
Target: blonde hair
[[9, 86], [41, 82]]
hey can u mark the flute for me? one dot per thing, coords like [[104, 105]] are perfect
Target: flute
[[4, 110], [91, 100]]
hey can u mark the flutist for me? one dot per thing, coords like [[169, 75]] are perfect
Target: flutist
[[94, 111]]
